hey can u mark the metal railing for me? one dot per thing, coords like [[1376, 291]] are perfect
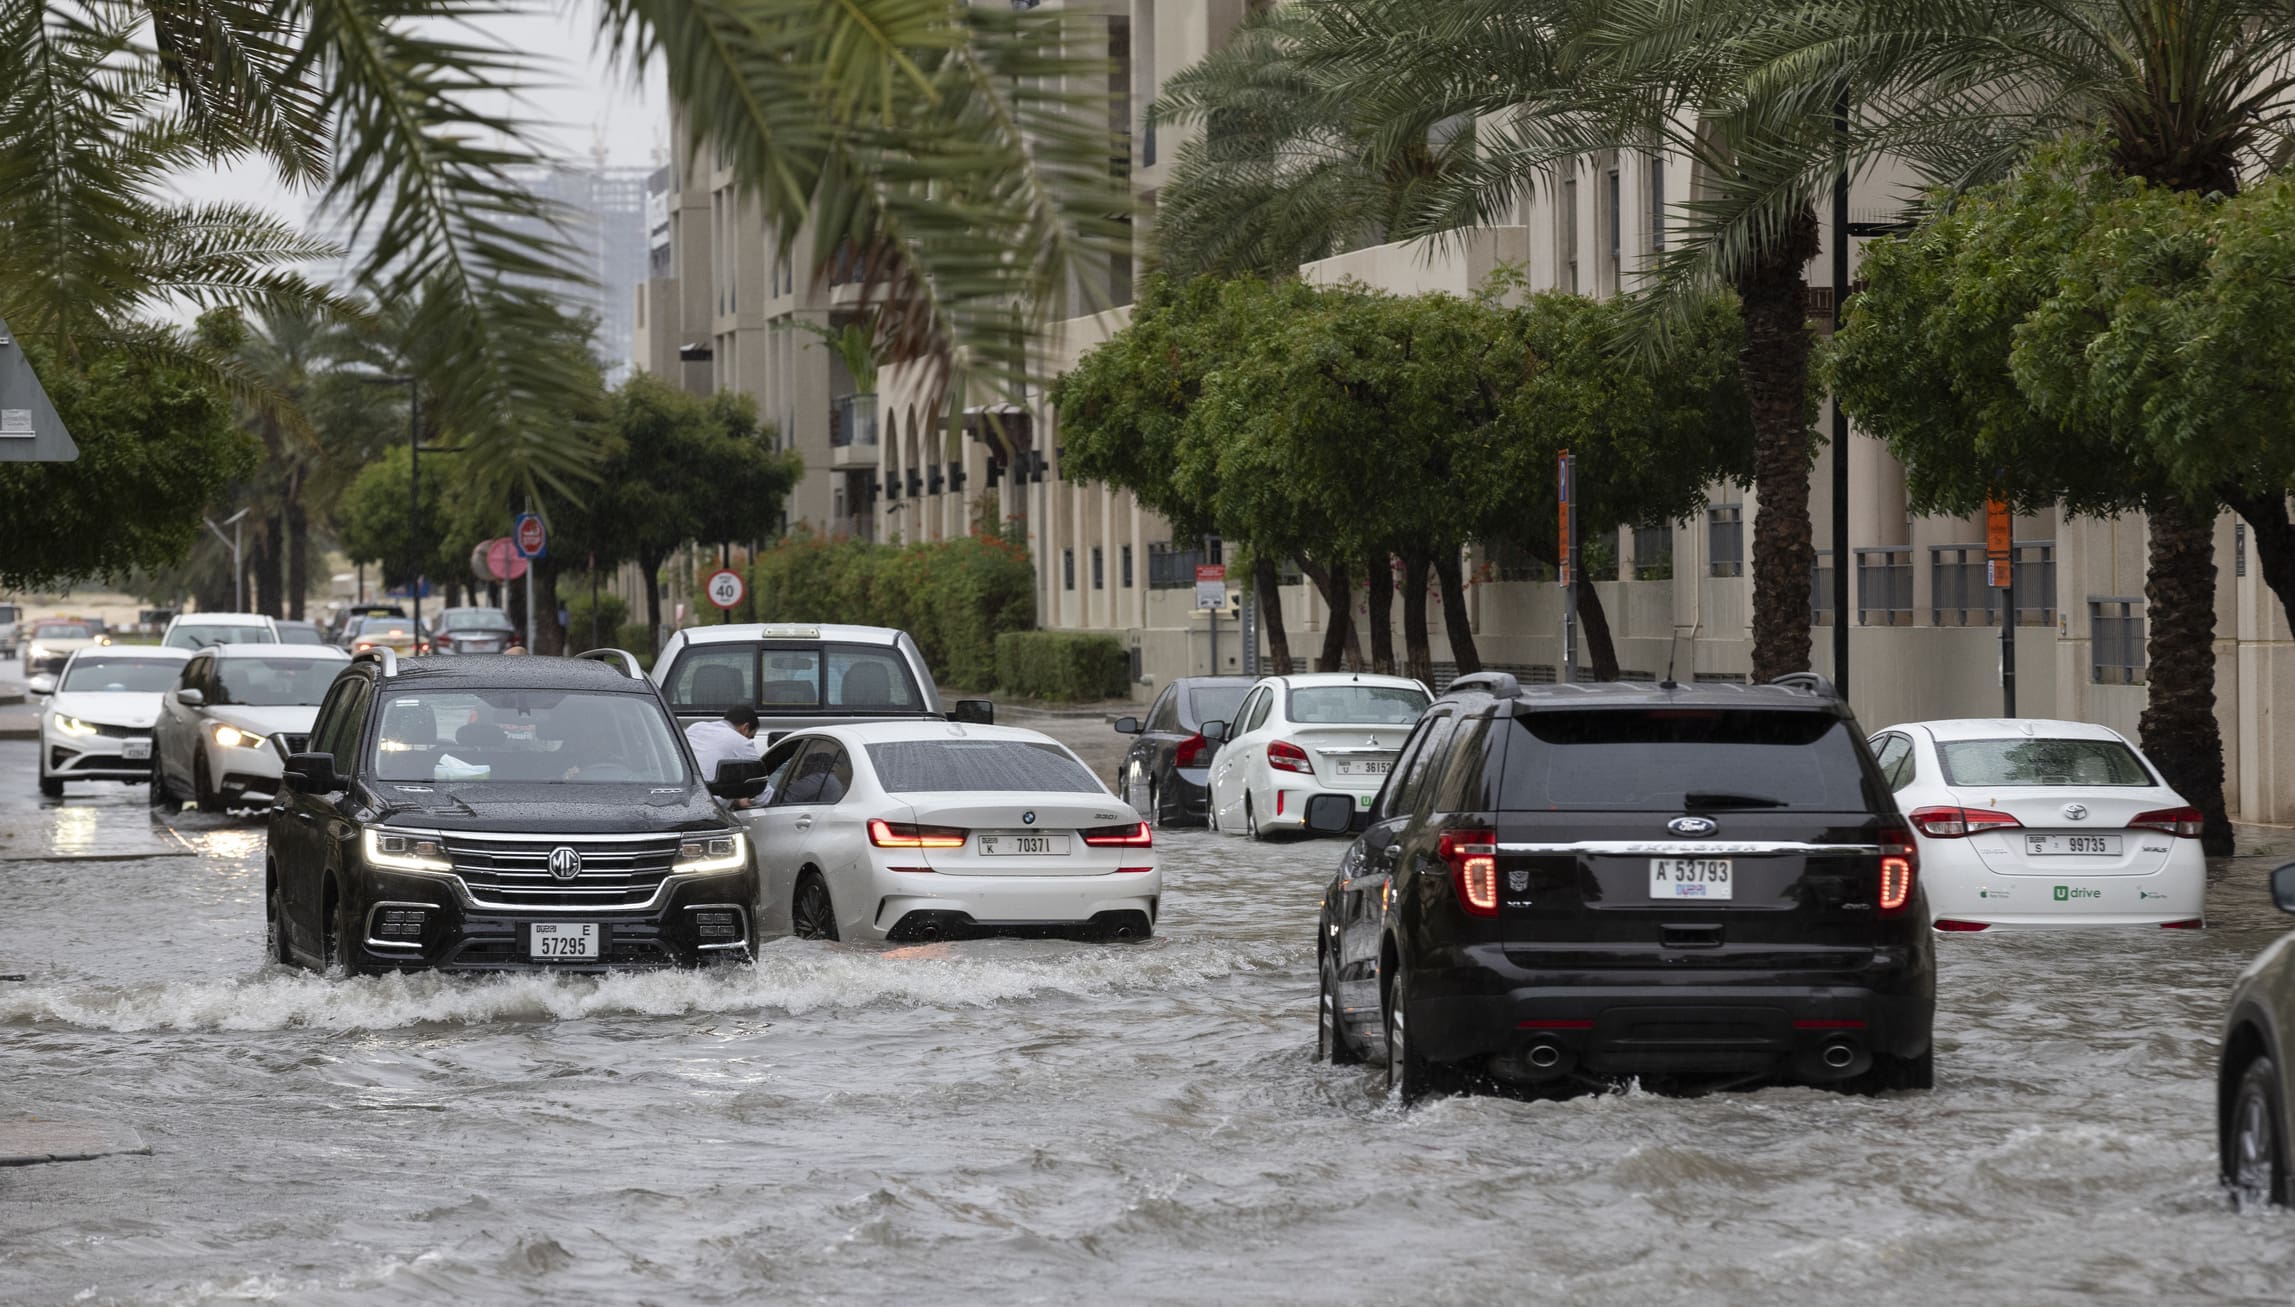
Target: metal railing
[[1960, 595], [2118, 635], [1885, 586]]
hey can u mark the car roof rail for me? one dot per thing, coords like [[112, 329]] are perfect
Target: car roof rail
[[381, 653], [1813, 682], [1498, 685], [629, 660]]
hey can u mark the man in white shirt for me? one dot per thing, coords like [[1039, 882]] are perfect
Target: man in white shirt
[[731, 738]]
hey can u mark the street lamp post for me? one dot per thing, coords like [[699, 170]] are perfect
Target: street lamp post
[[232, 541], [414, 449]]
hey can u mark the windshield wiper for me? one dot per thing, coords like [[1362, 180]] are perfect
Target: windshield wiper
[[1713, 799]]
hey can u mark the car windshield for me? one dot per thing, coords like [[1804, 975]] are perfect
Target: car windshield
[[2041, 762], [471, 736], [63, 631], [274, 682], [1367, 705], [293, 633], [916, 766], [122, 675], [455, 619], [1682, 760], [1215, 703], [188, 635]]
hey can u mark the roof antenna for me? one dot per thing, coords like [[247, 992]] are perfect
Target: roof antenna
[[1669, 683]]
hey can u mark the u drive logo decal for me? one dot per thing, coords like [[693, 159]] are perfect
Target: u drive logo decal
[[2066, 893], [565, 863]]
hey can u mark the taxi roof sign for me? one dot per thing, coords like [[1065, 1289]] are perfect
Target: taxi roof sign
[[31, 431]]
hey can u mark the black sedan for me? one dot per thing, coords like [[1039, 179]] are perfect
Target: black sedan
[[1166, 772]]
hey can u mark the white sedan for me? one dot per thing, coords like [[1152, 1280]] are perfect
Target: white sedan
[[1295, 737], [921, 830], [95, 724], [219, 732], [2030, 823]]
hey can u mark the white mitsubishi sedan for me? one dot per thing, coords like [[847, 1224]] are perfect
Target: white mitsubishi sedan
[[919, 830], [2024, 823], [1295, 737]]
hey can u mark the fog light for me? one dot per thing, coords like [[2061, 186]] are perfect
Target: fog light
[[717, 924], [400, 923]]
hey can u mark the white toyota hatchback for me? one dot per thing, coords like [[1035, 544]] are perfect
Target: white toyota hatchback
[[1295, 737], [924, 830], [2027, 823]]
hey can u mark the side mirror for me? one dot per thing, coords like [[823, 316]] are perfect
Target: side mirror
[[2283, 886], [1127, 725], [1215, 732], [1330, 814], [41, 686], [737, 779], [973, 712], [311, 773], [190, 698]]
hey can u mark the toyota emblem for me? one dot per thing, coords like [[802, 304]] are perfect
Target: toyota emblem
[[2075, 812], [565, 863], [1692, 826], [1028, 818]]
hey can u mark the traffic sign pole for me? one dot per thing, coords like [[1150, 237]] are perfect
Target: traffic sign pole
[[2000, 569], [1566, 545]]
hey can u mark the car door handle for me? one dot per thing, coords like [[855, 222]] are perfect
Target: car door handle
[[803, 823], [303, 817]]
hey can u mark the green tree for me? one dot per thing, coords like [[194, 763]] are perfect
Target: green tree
[[376, 518]]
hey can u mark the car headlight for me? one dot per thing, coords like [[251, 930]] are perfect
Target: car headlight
[[39, 651], [74, 726], [728, 851], [231, 737], [396, 849]]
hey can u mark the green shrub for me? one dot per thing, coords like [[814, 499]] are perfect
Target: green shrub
[[954, 597], [1062, 665], [636, 637], [613, 614]]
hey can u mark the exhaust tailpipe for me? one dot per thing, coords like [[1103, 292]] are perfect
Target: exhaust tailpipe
[[1544, 1056], [929, 933], [1127, 932], [1839, 1054]]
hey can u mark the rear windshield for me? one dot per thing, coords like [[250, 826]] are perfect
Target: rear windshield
[[914, 766], [1215, 703], [793, 679], [292, 633], [274, 682], [2041, 762], [186, 636], [1353, 705], [1683, 760], [115, 675], [455, 619]]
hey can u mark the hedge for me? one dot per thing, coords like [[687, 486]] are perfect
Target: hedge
[[613, 616], [1062, 665], [954, 597]]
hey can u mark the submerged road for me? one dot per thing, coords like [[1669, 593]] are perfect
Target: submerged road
[[1019, 1122]]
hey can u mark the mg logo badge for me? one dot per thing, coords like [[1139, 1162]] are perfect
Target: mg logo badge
[[1028, 818], [2075, 812], [1692, 826], [565, 863]]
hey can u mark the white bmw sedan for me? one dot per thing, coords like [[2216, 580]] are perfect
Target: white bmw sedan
[[96, 722], [2028, 823], [1295, 737], [921, 830]]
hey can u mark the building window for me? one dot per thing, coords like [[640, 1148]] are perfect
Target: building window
[[1613, 231], [1099, 574], [1657, 203], [1821, 589], [1566, 237], [1067, 569], [2116, 643], [1960, 593], [1509, 561], [2238, 531], [1124, 558], [1169, 568], [1884, 586], [1725, 540], [1653, 552]]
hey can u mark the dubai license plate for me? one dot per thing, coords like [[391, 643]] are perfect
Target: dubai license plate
[[1691, 878], [1379, 768], [2042, 846], [1006, 844], [562, 941], [136, 750]]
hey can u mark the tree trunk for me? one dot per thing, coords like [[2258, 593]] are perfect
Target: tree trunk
[[298, 557], [1331, 583], [652, 567], [1594, 625], [1379, 598], [549, 632], [1774, 366], [2272, 536], [267, 566], [2179, 729], [1267, 587], [1450, 576], [1418, 657]]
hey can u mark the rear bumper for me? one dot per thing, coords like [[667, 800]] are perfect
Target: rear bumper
[[1654, 1022], [1011, 903], [1961, 889]]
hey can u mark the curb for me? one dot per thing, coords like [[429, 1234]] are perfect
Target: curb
[[30, 1143]]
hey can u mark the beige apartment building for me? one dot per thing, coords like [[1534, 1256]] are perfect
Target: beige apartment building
[[1924, 637]]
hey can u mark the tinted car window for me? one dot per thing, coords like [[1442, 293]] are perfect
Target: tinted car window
[[475, 736], [199, 637], [273, 682], [914, 766], [1433, 753], [341, 722], [1893, 754], [1366, 704], [822, 775], [1164, 716], [1671, 759], [2041, 762], [456, 619], [300, 633], [1214, 703], [1260, 708], [715, 677], [870, 678], [131, 675], [63, 631]]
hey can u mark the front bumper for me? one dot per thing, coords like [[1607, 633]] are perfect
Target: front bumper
[[94, 757], [696, 921], [1487, 1009]]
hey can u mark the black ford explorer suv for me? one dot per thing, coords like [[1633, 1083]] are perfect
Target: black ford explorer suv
[[487, 811], [1704, 882]]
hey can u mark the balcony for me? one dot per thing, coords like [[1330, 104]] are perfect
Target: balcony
[[853, 432]]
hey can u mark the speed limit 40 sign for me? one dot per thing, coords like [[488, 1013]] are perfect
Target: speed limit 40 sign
[[725, 588]]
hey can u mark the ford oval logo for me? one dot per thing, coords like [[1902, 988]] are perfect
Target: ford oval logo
[[1692, 826], [565, 863], [1028, 818], [2075, 812]]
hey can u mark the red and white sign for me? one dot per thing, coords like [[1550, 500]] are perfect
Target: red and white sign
[[1211, 585], [725, 588], [497, 560], [532, 537]]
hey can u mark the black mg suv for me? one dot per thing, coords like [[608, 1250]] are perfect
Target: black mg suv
[[485, 812], [1703, 884]]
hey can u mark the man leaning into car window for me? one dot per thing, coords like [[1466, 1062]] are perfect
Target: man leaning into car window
[[731, 738]]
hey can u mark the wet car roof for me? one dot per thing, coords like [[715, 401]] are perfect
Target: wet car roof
[[515, 672]]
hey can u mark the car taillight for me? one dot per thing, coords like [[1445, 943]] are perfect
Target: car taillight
[[1190, 752], [1900, 863], [1286, 756], [362, 646], [1472, 856], [2181, 822], [900, 835], [1953, 823], [1120, 837]]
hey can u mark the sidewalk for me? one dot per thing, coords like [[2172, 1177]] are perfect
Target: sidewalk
[[34, 1140]]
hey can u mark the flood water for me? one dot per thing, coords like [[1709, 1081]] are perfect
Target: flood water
[[1023, 1122]]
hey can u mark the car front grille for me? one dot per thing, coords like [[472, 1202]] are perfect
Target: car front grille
[[514, 872]]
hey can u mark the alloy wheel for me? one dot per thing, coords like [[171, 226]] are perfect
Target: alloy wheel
[[2255, 1175], [813, 915]]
